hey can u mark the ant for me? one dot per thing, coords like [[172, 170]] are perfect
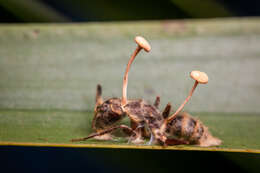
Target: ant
[[146, 119]]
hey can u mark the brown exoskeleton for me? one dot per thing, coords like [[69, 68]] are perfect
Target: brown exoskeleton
[[146, 119]]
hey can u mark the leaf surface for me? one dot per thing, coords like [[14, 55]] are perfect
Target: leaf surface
[[49, 74]]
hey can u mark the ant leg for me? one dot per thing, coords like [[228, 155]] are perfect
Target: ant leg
[[133, 124], [138, 138], [166, 111], [151, 140], [139, 126], [151, 137], [157, 102], [124, 128], [129, 140], [105, 137], [99, 99]]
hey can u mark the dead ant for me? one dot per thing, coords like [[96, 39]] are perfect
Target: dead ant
[[146, 119]]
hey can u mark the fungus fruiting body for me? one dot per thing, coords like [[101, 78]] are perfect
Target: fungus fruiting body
[[141, 44], [199, 77]]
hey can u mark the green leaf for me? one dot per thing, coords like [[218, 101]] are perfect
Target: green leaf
[[57, 128], [49, 74]]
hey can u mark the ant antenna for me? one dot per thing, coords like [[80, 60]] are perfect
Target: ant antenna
[[141, 44], [199, 77]]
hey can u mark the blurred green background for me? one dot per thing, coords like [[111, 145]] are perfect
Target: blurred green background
[[30, 159]]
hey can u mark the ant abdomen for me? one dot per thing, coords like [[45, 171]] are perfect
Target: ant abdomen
[[185, 127]]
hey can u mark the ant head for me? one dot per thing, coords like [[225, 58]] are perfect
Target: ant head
[[109, 108]]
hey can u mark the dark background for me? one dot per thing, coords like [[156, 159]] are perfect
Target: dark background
[[115, 10], [44, 159]]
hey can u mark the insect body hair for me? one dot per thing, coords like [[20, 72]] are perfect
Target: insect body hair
[[186, 127]]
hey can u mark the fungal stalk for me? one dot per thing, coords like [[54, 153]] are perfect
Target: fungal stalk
[[199, 77], [141, 44]]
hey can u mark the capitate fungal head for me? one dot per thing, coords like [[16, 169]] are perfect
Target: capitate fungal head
[[143, 43], [200, 77]]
